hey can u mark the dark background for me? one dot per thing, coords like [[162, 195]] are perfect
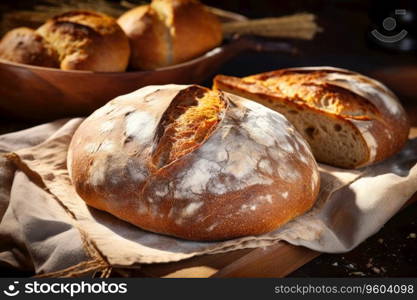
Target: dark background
[[345, 42]]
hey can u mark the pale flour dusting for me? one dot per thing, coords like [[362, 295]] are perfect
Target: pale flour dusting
[[240, 164], [103, 111], [161, 191], [191, 209], [363, 127], [211, 227], [266, 166], [257, 179], [315, 177], [276, 154], [267, 198], [288, 174], [245, 207], [286, 145], [91, 147], [97, 176], [136, 172], [388, 133], [195, 179], [363, 88], [106, 146], [106, 127], [222, 155], [140, 125]]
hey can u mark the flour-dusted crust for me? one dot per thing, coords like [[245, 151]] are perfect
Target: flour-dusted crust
[[250, 175], [360, 102]]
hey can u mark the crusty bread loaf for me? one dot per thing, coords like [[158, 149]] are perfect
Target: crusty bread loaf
[[349, 120], [76, 40], [148, 38], [169, 32], [25, 46], [86, 40], [193, 163]]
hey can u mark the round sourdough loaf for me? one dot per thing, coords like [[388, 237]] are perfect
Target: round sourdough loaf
[[169, 32], [349, 120], [193, 163]]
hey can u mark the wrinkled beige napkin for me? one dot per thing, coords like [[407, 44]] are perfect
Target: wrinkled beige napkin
[[46, 227]]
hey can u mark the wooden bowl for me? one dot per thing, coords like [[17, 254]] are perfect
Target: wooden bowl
[[39, 93]]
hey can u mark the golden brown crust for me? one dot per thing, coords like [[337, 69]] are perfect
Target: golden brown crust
[[361, 102], [23, 45], [178, 30], [87, 40], [187, 124], [147, 38], [250, 175], [194, 29]]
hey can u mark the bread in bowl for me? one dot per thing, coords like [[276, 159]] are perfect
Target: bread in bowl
[[349, 120], [25, 46], [86, 40], [75, 40], [193, 163], [169, 32]]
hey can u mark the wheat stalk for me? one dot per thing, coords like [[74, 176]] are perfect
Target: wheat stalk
[[298, 26]]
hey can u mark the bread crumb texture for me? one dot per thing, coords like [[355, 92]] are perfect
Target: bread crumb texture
[[189, 120], [348, 119]]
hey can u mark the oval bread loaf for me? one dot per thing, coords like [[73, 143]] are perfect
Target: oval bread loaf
[[169, 32], [349, 120], [193, 163]]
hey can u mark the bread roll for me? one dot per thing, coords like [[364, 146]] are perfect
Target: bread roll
[[349, 120], [86, 40], [148, 38], [169, 32], [76, 40], [23, 45], [193, 163]]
